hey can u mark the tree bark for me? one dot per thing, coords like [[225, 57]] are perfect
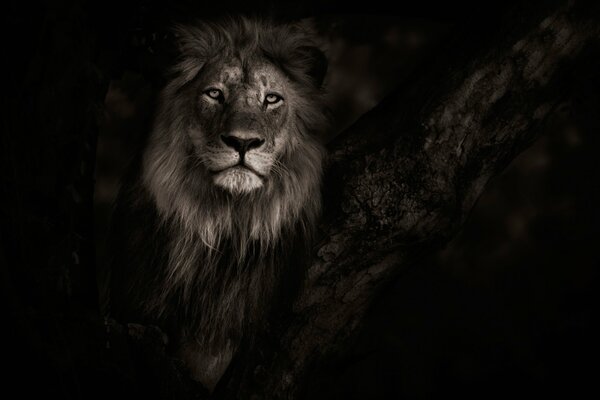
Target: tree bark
[[402, 180]]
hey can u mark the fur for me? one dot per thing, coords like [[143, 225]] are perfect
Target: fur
[[203, 254]]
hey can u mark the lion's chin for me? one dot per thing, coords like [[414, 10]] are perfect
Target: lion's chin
[[238, 180]]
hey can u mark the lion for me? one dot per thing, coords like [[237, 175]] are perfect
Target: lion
[[214, 221]]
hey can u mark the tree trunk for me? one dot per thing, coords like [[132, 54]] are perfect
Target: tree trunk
[[403, 179]]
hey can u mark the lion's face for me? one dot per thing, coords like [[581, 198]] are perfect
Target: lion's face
[[234, 151], [242, 120]]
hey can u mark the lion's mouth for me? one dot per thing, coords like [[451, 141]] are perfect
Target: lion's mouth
[[239, 166], [239, 178]]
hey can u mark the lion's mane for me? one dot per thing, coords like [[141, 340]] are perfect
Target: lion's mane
[[196, 260]]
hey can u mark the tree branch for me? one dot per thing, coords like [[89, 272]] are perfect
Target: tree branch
[[403, 179]]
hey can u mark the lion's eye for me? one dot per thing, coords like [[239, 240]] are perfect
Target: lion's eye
[[273, 98], [215, 94]]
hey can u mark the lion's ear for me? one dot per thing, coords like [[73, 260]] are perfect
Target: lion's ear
[[316, 63]]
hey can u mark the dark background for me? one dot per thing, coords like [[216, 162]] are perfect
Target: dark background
[[507, 309]]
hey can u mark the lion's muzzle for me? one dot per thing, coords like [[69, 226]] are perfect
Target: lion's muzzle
[[242, 145]]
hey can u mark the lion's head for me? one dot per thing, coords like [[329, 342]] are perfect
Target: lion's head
[[234, 150], [244, 122]]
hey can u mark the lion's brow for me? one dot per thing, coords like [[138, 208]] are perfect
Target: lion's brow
[[229, 73]]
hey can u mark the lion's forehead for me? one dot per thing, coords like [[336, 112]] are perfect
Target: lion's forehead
[[268, 77], [230, 74], [259, 78]]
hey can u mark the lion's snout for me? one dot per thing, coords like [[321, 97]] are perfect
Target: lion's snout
[[242, 145]]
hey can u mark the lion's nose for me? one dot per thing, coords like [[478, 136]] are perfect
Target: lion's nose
[[242, 145]]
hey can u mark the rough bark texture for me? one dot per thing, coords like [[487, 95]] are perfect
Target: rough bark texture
[[403, 179]]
